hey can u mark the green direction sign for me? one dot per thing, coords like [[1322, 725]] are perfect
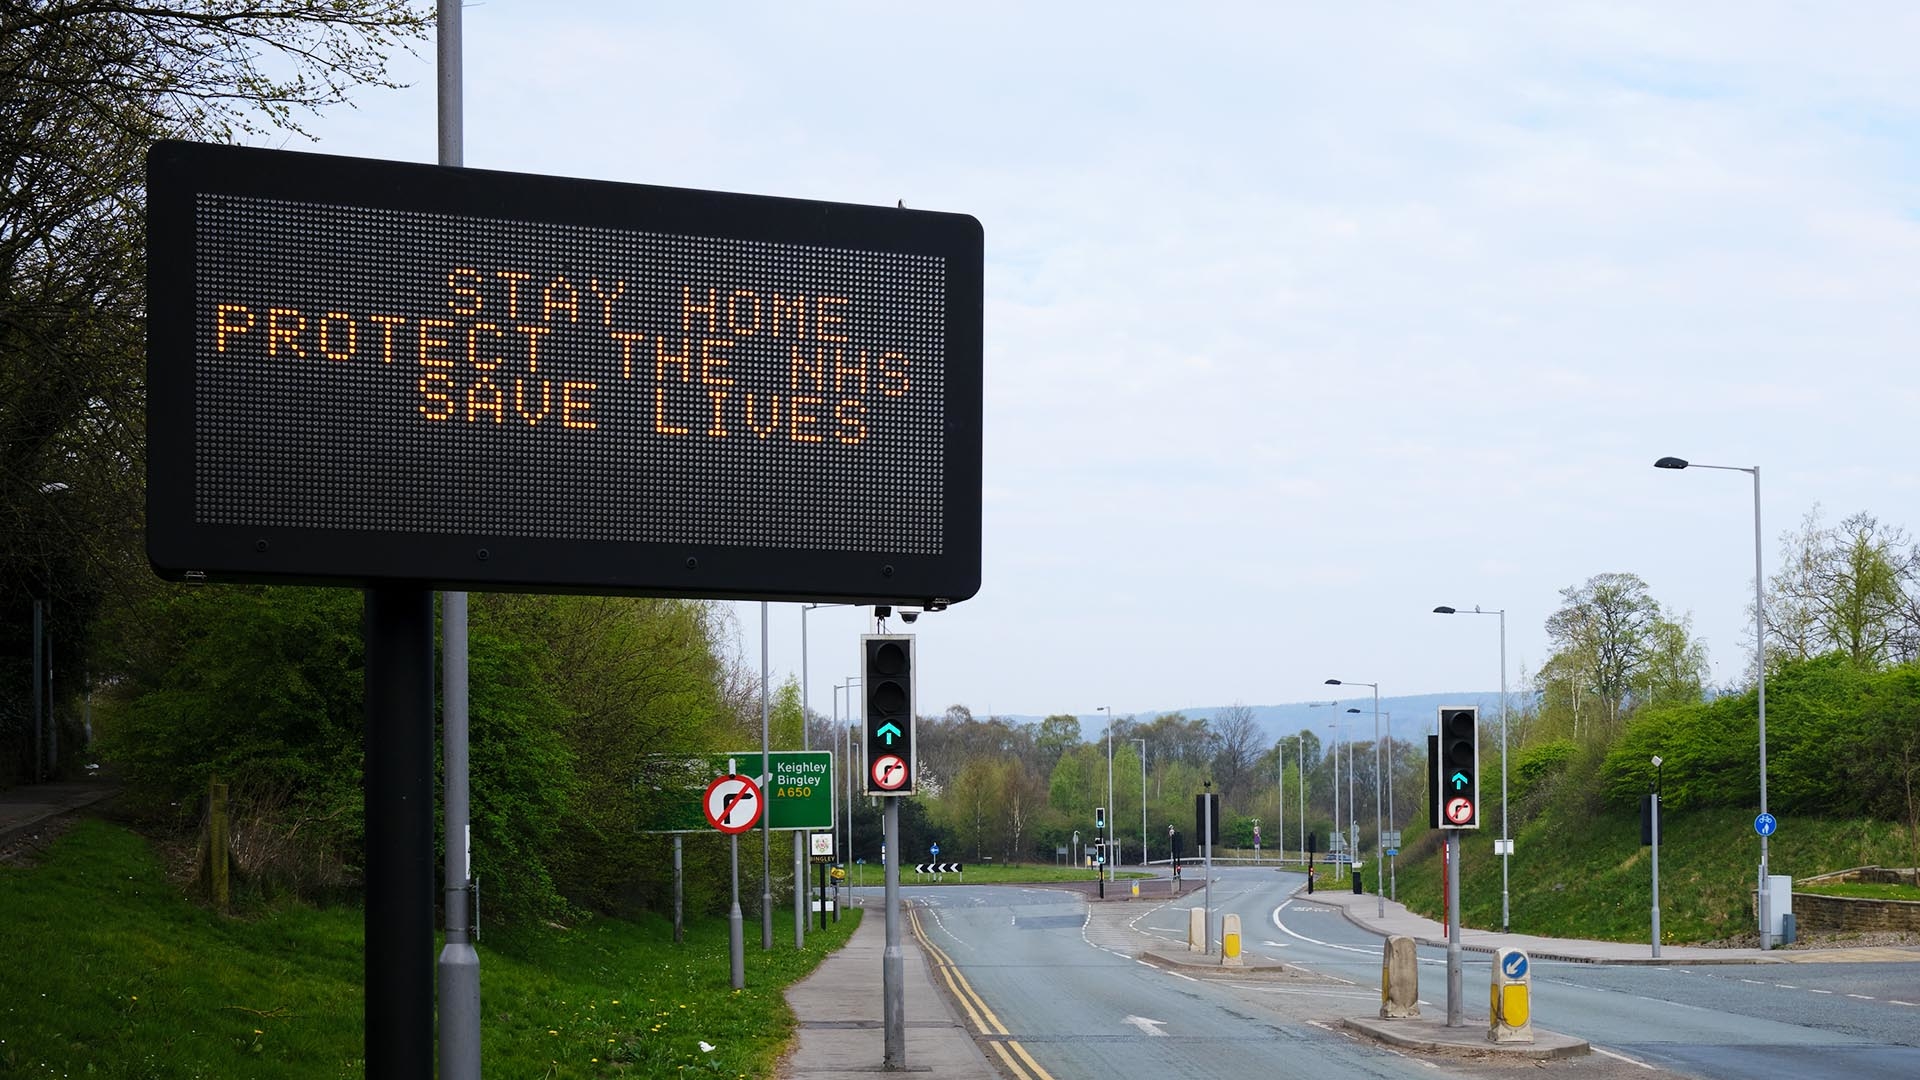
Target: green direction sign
[[799, 789]]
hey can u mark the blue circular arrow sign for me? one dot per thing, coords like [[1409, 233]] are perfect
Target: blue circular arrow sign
[[1765, 824]]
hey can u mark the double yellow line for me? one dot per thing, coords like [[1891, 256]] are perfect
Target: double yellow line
[[1012, 1054]]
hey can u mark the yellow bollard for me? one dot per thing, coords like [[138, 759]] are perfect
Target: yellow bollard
[[1230, 940], [1509, 998], [1136, 888]]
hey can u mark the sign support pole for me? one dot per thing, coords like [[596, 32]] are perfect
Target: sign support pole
[[736, 932], [799, 887], [399, 792], [679, 895], [1456, 1002]]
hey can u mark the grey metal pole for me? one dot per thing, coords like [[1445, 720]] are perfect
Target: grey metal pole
[[1110, 807], [1143, 801], [1206, 869], [799, 889], [766, 782], [1506, 838], [736, 930], [458, 969], [1656, 873], [1379, 836], [1760, 682], [1280, 781], [1456, 1003], [1301, 746], [893, 998], [679, 894], [459, 964]]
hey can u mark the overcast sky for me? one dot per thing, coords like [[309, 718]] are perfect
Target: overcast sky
[[1300, 322]]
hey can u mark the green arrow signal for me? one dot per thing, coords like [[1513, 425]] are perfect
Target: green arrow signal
[[1459, 780], [888, 732]]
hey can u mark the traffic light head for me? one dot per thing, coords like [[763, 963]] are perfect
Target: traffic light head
[[1459, 767], [887, 688], [1099, 817]]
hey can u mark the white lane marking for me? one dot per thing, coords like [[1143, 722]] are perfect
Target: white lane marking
[[1620, 1057], [1819, 991], [1275, 944], [1151, 1027], [1283, 928], [1908, 1004], [1753, 982], [1860, 997], [1784, 986]]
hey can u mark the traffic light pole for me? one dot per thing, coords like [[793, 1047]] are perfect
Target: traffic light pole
[[892, 964], [1455, 996]]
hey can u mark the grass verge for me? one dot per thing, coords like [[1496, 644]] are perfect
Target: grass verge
[[114, 974]]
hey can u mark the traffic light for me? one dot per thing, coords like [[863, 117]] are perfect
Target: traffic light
[[886, 672], [1459, 772], [1099, 817]]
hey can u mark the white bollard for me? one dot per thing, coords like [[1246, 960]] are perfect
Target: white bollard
[[1196, 930]]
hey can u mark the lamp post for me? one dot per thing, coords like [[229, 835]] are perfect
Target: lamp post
[[1143, 800], [847, 731], [1379, 872], [806, 701], [1336, 772], [1759, 673], [1108, 836], [1506, 841]]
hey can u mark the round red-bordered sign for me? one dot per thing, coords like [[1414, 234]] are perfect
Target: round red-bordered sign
[[1459, 810], [732, 804], [889, 772]]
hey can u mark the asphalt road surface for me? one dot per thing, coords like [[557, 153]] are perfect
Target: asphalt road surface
[[1062, 976]]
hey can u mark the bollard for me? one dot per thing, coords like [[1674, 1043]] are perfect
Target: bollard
[[1399, 979], [1510, 999], [1230, 941], [1136, 890], [1196, 930]]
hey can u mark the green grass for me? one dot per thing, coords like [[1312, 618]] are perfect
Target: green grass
[[1862, 890], [1585, 875], [998, 874], [113, 974]]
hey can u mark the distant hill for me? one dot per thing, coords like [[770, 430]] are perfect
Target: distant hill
[[1412, 716]]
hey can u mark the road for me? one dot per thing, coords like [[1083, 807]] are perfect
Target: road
[[1062, 978]]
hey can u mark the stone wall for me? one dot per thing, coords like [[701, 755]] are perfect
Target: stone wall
[[1812, 912]]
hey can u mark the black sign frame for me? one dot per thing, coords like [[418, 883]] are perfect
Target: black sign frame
[[182, 548]]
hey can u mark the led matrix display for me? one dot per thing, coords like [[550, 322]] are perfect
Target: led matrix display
[[366, 371]]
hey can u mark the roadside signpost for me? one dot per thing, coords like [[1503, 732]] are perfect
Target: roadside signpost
[[733, 804], [1766, 824], [798, 790], [405, 377]]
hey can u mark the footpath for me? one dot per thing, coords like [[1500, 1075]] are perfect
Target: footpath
[[29, 809]]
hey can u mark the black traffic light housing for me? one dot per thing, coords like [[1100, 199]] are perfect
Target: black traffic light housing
[[1459, 771], [1099, 817], [886, 672]]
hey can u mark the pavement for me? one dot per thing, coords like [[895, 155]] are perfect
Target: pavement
[[1389, 918], [840, 1014], [28, 808]]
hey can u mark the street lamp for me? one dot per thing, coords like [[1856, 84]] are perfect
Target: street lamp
[[1379, 872], [1506, 841], [846, 731], [1336, 767], [1759, 673], [1108, 709], [806, 701], [1143, 800]]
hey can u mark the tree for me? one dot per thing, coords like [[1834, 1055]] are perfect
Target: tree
[[1057, 734], [1850, 587], [85, 88], [1236, 740], [1605, 626]]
